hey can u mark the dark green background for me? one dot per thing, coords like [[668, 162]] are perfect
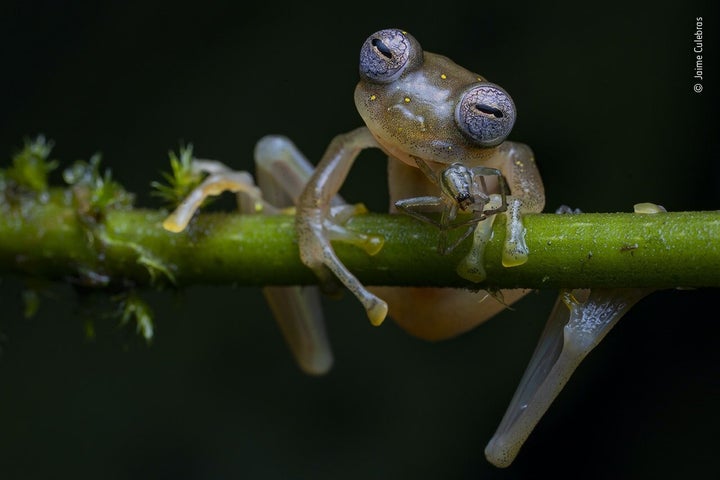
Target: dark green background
[[604, 94]]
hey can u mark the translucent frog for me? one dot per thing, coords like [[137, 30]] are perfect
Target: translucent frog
[[444, 130], [430, 116]]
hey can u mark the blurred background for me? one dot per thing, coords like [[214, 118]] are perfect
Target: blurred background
[[605, 98]]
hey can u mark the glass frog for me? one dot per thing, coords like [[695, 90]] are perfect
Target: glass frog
[[444, 130], [429, 115]]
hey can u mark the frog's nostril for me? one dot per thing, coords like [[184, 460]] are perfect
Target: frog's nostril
[[488, 110], [382, 48]]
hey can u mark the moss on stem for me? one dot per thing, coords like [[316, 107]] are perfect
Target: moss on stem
[[129, 247]]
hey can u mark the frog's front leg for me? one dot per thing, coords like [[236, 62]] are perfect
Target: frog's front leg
[[316, 226], [527, 195]]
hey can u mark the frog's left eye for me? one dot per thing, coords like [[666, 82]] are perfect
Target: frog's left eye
[[386, 54], [486, 114]]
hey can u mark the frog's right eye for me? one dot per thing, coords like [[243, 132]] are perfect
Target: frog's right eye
[[485, 113], [386, 54]]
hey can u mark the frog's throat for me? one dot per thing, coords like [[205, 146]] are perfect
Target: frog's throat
[[397, 153]]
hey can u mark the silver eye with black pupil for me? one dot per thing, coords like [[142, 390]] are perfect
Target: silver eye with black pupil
[[486, 114], [386, 54]]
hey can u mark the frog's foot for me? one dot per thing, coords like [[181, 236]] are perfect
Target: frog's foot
[[221, 179], [339, 215], [282, 172], [472, 266], [314, 236], [515, 251], [574, 328]]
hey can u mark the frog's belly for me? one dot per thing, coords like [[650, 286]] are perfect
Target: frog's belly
[[440, 313]]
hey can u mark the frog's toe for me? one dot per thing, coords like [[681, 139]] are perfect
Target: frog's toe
[[648, 208], [377, 312], [178, 220], [317, 253], [335, 227], [472, 266], [213, 185], [371, 244], [515, 251]]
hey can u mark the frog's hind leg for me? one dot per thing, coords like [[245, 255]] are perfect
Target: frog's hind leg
[[298, 313], [282, 172], [220, 179], [574, 328]]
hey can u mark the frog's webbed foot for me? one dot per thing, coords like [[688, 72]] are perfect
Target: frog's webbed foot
[[316, 251], [515, 251], [334, 230], [574, 328], [578, 323], [471, 267], [220, 179], [282, 173], [528, 196]]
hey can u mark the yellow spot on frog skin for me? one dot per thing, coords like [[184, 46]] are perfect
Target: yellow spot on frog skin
[[372, 97], [407, 99], [443, 76]]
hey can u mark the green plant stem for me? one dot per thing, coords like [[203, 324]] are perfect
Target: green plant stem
[[130, 247]]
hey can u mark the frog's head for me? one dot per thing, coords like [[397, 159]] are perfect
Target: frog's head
[[421, 104]]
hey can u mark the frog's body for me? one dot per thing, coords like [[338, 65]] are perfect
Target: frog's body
[[443, 128], [426, 113]]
